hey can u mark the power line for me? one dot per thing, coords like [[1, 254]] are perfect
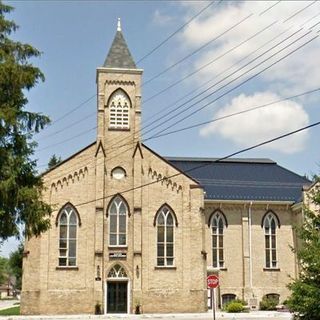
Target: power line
[[175, 32], [206, 164], [197, 50], [237, 86], [299, 11], [234, 114], [220, 118], [141, 59], [214, 92], [91, 129], [250, 78], [269, 8]]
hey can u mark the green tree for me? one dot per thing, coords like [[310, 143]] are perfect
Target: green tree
[[15, 265], [20, 186], [305, 291], [54, 160], [3, 269]]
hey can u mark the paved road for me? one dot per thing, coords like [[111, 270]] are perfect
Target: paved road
[[196, 316]]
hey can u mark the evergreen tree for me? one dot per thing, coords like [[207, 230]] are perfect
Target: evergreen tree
[[54, 160], [20, 186], [305, 294]]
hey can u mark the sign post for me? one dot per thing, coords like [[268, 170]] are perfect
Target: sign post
[[212, 283]]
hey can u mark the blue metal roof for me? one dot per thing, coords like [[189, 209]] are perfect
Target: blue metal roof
[[243, 179]]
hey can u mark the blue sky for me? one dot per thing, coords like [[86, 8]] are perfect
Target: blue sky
[[74, 38]]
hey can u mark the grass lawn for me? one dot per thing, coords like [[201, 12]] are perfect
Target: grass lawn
[[13, 311]]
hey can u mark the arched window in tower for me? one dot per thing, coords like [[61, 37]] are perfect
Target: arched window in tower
[[217, 223], [165, 221], [119, 106], [68, 222], [118, 211], [270, 222]]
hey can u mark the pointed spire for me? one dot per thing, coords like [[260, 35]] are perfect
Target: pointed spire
[[119, 55]]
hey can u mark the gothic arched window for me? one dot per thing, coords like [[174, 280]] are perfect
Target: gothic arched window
[[119, 106], [117, 212], [270, 222], [68, 223], [165, 222], [117, 271], [217, 224]]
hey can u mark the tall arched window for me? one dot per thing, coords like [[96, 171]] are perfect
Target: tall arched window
[[119, 106], [270, 222], [165, 221], [117, 212], [68, 222], [217, 224]]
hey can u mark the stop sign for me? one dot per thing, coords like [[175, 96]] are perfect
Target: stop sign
[[212, 281]]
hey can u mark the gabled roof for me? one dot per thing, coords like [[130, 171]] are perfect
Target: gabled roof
[[119, 55], [243, 179]]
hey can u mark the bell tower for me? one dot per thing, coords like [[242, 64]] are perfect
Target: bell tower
[[119, 97]]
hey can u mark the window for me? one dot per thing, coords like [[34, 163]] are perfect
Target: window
[[274, 297], [165, 237], [119, 106], [270, 225], [68, 222], [118, 173], [228, 297], [117, 271], [118, 222], [217, 228]]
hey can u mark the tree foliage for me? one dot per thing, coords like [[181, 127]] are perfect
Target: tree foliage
[[305, 294], [3, 269], [20, 186], [15, 265], [53, 161]]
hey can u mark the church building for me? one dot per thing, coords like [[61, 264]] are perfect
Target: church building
[[131, 229]]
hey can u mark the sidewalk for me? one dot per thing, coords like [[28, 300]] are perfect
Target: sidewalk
[[5, 304], [255, 315]]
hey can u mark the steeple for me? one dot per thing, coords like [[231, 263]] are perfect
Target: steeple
[[119, 55]]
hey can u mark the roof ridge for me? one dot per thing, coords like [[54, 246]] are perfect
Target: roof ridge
[[239, 160]]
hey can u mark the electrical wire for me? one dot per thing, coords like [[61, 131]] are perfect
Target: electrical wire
[[204, 165]]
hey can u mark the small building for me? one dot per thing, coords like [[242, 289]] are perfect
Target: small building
[[132, 228]]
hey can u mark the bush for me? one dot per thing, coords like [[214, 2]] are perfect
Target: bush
[[268, 304], [234, 307]]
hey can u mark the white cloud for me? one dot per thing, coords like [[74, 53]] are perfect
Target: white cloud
[[161, 19], [217, 19], [262, 124], [295, 74]]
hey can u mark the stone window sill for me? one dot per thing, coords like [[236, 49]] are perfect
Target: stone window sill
[[67, 268], [272, 269], [118, 129], [222, 269], [165, 267], [124, 248]]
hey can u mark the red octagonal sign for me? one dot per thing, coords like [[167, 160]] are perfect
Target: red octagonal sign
[[212, 281]]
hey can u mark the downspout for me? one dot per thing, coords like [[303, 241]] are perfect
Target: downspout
[[250, 243]]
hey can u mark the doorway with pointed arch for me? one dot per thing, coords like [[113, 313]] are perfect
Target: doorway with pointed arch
[[117, 291]]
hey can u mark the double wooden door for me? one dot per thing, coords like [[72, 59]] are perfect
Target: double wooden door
[[117, 296]]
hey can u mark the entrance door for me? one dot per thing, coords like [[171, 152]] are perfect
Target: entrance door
[[117, 297]]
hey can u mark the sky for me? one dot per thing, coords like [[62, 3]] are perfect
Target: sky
[[233, 56]]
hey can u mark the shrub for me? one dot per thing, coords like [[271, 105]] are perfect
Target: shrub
[[234, 307], [268, 303]]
